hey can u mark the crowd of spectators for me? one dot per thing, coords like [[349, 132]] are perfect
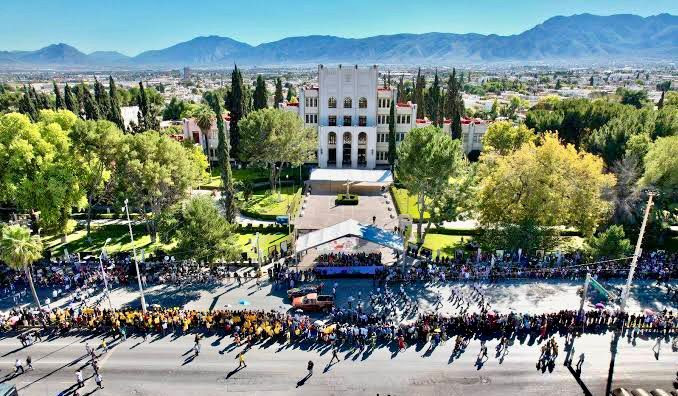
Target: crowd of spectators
[[348, 259]]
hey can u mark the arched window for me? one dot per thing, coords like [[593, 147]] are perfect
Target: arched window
[[348, 103], [362, 138], [331, 138], [332, 103], [347, 138], [362, 103]]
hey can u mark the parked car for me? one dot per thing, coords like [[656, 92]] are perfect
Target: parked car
[[303, 290], [313, 302]]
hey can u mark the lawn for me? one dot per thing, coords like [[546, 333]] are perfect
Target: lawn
[[406, 203], [252, 174], [247, 243], [265, 205], [120, 240], [447, 244]]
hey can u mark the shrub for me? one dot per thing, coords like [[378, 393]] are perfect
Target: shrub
[[346, 199]]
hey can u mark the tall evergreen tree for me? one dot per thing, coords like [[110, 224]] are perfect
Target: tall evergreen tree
[[291, 93], [278, 97], [102, 99], [238, 111], [260, 94], [454, 105], [392, 154], [419, 87], [401, 90], [70, 101], [27, 105], [59, 100], [147, 117], [223, 150], [41, 100], [433, 101], [90, 106], [115, 114]]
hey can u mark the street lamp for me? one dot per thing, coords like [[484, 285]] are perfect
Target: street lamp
[[136, 262], [103, 273]]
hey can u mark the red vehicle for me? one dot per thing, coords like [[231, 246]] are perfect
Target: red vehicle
[[313, 302]]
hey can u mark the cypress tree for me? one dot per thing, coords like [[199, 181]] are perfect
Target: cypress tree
[[558, 85], [433, 100], [291, 93], [238, 111], [401, 90], [80, 97], [260, 94], [223, 149], [278, 97], [419, 87], [147, 119], [27, 106], [115, 115], [102, 99], [69, 101], [90, 105], [59, 100], [392, 155], [454, 105]]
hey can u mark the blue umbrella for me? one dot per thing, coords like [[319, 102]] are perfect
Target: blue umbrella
[[244, 302]]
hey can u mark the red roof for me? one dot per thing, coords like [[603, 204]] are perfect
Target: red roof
[[404, 104], [293, 104], [383, 89], [421, 121]]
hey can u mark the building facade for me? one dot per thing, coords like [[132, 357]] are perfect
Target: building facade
[[351, 114]]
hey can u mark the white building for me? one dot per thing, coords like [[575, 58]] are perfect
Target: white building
[[351, 114], [209, 145]]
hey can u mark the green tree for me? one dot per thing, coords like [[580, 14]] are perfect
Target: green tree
[[274, 138], [392, 154], [433, 102], [278, 97], [223, 150], [427, 159], [174, 109], [503, 137], [102, 99], [201, 232], [115, 114], [70, 101], [544, 183], [156, 172], [90, 105], [454, 105], [58, 99], [96, 145], [419, 88], [635, 98], [609, 244], [558, 85], [401, 89], [204, 118], [238, 111], [260, 94], [291, 94], [27, 105], [19, 250]]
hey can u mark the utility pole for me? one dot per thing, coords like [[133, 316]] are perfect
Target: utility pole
[[636, 253], [103, 273], [136, 262]]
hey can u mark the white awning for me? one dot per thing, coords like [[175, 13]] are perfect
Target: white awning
[[352, 175], [347, 228]]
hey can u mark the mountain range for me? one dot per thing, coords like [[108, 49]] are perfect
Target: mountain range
[[579, 38]]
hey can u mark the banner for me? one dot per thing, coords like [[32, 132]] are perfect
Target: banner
[[362, 270]]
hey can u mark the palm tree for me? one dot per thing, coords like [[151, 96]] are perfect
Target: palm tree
[[204, 117], [18, 249]]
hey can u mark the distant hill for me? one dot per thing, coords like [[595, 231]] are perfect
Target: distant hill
[[577, 38]]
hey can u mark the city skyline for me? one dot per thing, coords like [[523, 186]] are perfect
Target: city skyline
[[274, 21]]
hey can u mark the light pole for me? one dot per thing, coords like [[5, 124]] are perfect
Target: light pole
[[103, 273], [636, 253], [136, 262]]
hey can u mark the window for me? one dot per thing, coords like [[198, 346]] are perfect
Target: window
[[332, 103], [362, 103], [407, 121], [332, 120], [382, 155], [362, 138], [382, 137], [311, 102], [331, 138], [347, 120], [402, 136], [315, 118], [398, 119], [348, 103], [362, 121], [307, 119]]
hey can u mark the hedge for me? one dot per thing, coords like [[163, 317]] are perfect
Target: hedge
[[346, 199]]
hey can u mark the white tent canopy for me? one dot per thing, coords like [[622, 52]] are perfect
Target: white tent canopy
[[348, 228], [352, 175]]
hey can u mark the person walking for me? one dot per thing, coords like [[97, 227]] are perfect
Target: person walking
[[335, 355], [29, 362], [241, 359], [18, 366], [99, 381], [309, 367], [78, 379]]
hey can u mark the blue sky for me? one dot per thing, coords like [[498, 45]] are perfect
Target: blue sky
[[132, 26]]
